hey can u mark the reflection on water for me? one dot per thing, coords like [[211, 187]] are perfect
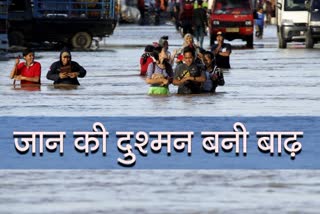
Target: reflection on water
[[159, 191], [27, 87], [65, 86]]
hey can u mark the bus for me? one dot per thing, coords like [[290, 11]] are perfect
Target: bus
[[73, 23]]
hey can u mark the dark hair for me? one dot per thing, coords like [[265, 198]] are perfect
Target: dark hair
[[26, 51], [209, 53], [65, 49], [155, 55], [156, 52], [165, 37], [158, 49], [149, 48], [190, 50], [202, 51]]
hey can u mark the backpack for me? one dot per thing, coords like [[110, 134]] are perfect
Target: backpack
[[187, 12], [145, 60]]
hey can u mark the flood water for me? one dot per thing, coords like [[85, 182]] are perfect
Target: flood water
[[264, 81], [164, 191]]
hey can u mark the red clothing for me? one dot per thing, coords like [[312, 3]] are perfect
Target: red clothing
[[141, 4], [32, 71], [187, 12], [144, 63]]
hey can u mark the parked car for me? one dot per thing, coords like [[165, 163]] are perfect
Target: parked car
[[292, 17]]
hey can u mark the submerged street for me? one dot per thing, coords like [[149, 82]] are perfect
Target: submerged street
[[264, 80]]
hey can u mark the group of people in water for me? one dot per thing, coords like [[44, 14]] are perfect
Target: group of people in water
[[63, 72], [193, 69]]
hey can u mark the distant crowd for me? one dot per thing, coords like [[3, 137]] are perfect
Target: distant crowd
[[191, 16]]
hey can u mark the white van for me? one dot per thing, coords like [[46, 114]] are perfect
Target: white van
[[292, 18]]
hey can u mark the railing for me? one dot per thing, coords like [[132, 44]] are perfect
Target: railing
[[74, 8]]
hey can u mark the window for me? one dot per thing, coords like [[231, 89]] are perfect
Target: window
[[294, 5], [232, 7]]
